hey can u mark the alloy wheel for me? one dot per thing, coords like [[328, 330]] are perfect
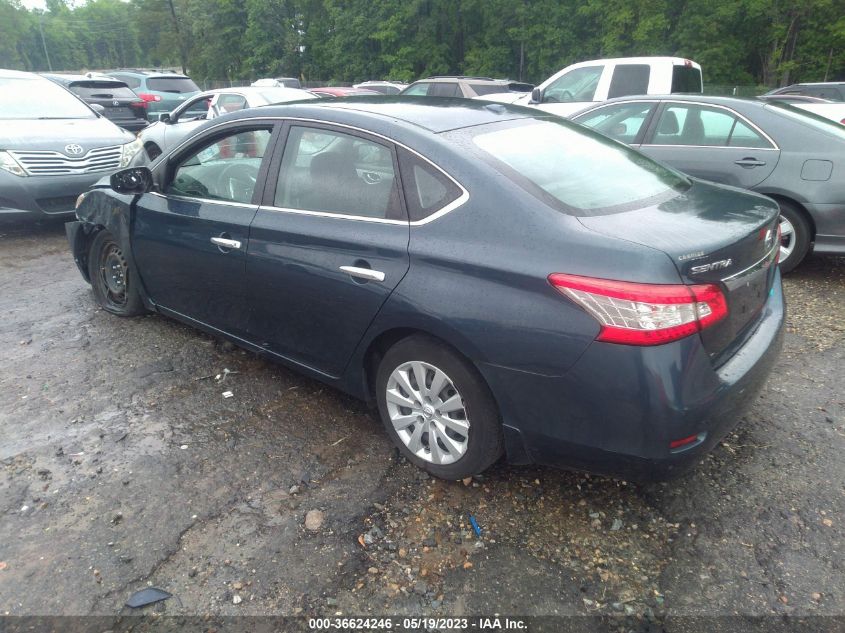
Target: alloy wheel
[[787, 238], [427, 412]]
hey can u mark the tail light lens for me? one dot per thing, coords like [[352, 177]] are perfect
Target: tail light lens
[[644, 314], [140, 104], [148, 97]]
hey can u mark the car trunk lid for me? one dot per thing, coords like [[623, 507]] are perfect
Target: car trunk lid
[[714, 235]]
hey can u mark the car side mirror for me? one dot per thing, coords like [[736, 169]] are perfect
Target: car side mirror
[[134, 180], [164, 117], [96, 107], [536, 96]]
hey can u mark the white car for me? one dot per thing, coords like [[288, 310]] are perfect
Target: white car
[[832, 111], [577, 86], [175, 126], [384, 87]]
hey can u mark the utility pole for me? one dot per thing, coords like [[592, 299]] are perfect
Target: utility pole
[[44, 42], [182, 56]]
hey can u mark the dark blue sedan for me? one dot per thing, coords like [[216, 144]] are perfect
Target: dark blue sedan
[[497, 280]]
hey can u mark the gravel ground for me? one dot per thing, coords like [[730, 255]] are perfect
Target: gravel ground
[[123, 466]]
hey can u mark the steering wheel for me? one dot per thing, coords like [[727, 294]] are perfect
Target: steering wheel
[[239, 181]]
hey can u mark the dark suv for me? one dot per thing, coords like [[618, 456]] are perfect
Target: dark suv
[[467, 87], [122, 106], [834, 91], [162, 90]]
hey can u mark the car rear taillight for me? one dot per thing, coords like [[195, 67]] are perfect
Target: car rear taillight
[[644, 314], [148, 97], [140, 104]]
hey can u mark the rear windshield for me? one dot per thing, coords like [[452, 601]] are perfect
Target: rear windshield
[[488, 89], [39, 99], [575, 168], [809, 118], [102, 90], [177, 85], [686, 79]]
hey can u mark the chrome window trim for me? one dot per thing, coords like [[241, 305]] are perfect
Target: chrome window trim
[[204, 200], [458, 202], [733, 112]]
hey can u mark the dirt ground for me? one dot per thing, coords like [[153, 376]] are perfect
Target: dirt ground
[[122, 466]]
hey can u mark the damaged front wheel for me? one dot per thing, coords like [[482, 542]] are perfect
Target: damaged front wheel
[[113, 280]]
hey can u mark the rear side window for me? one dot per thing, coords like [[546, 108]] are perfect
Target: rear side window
[[444, 90], [132, 82], [176, 85], [621, 121], [333, 172], [487, 89], [102, 90], [629, 79], [686, 79], [697, 125], [427, 189]]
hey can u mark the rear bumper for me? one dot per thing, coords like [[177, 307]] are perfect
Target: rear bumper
[[619, 407], [40, 197]]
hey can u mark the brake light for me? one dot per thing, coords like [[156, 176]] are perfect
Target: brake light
[[148, 97], [644, 314], [139, 104]]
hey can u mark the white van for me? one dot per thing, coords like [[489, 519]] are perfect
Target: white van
[[576, 86]]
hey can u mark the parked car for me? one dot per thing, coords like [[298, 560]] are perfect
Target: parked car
[[173, 127], [383, 87], [793, 99], [467, 87], [163, 91], [791, 155], [53, 146], [833, 90], [576, 86], [119, 103], [333, 92], [278, 82], [451, 261], [833, 110]]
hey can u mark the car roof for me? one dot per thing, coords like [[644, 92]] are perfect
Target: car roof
[[448, 78], [67, 77], [146, 73], [715, 100], [435, 114], [19, 74]]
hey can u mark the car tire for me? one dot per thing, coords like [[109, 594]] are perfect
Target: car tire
[[471, 438], [114, 282], [795, 236]]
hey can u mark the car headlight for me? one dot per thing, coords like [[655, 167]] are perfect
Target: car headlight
[[129, 152], [8, 163]]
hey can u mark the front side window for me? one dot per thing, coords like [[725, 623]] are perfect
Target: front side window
[[566, 165], [417, 90], [697, 125], [576, 85], [621, 121], [225, 169], [629, 79], [334, 172]]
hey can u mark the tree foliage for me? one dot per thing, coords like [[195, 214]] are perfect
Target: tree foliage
[[771, 42]]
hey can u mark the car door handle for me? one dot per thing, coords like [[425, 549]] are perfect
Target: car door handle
[[363, 273], [224, 242], [750, 162]]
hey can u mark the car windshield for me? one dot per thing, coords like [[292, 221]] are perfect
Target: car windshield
[[102, 90], [809, 118], [587, 173], [39, 99], [177, 85]]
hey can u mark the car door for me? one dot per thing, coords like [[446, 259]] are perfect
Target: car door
[[190, 238], [711, 142], [328, 245]]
